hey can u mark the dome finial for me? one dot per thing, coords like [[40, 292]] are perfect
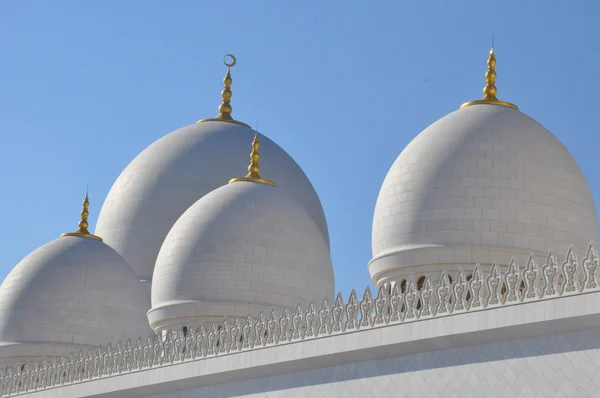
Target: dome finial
[[253, 170], [489, 91], [225, 108], [83, 222]]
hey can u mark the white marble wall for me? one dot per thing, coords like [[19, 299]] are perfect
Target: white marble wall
[[544, 348], [561, 365]]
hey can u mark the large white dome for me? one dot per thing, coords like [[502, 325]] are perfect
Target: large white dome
[[242, 248], [163, 181], [482, 184], [71, 293]]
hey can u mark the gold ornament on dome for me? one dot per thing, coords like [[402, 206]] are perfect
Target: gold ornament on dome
[[83, 222], [253, 170], [489, 91], [225, 108]]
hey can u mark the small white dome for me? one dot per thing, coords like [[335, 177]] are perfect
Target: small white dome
[[163, 181], [243, 248], [482, 184], [71, 293]]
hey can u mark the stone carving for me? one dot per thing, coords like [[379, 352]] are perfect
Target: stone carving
[[156, 356], [195, 342], [590, 268], [569, 268], [337, 312], [298, 324], [212, 338], [459, 290], [236, 334], [396, 304], [223, 343], [530, 277], [259, 331], [324, 319], [426, 294], [443, 293], [148, 351], [351, 312], [412, 298], [310, 320], [475, 285], [246, 333], [549, 273], [493, 283], [271, 323], [366, 306], [381, 303], [127, 354], [284, 325], [512, 278]]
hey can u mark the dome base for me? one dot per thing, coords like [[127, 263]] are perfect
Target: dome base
[[490, 102], [82, 234], [176, 314], [421, 260], [216, 119], [252, 179], [12, 353]]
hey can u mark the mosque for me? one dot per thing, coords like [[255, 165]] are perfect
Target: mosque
[[197, 284]]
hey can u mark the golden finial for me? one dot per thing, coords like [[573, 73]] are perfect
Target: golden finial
[[83, 222], [253, 169], [489, 91], [225, 108]]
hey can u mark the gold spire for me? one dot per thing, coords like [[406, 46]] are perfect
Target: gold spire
[[83, 222], [489, 91], [225, 108], [253, 169]]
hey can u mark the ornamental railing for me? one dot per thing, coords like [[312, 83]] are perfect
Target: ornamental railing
[[391, 305]]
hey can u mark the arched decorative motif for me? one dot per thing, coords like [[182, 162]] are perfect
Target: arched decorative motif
[[195, 342]]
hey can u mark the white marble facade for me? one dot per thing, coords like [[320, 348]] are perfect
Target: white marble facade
[[498, 342], [561, 365], [484, 261]]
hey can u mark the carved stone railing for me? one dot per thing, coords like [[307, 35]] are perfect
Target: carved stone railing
[[390, 306]]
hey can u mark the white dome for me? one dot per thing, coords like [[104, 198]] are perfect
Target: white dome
[[243, 248], [482, 184], [71, 293], [163, 181]]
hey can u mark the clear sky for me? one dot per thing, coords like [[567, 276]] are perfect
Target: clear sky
[[343, 86]]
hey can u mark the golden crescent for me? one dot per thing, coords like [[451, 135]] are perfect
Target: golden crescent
[[233, 60]]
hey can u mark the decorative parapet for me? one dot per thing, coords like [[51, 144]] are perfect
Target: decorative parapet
[[534, 282]]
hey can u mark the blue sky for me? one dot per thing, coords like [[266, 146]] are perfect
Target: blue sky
[[342, 86]]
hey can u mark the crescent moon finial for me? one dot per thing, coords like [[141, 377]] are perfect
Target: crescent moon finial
[[225, 108], [229, 60]]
